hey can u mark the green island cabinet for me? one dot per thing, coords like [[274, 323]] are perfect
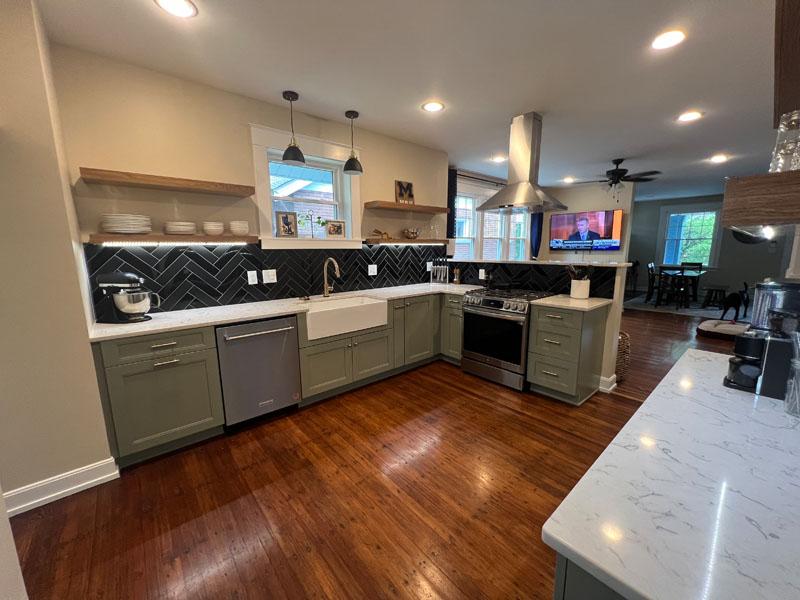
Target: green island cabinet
[[565, 352], [452, 326], [159, 391]]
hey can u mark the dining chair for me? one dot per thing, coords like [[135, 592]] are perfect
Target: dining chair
[[652, 281]]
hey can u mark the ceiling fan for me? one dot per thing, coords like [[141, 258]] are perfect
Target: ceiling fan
[[618, 175]]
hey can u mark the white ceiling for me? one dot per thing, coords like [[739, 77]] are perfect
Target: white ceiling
[[587, 66]]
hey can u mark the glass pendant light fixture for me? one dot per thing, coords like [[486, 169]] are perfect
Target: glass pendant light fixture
[[292, 155], [353, 165]]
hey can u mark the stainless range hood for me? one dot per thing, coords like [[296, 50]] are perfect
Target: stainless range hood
[[523, 191]]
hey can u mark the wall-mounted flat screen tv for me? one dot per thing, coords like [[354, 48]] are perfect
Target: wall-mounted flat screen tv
[[592, 230]]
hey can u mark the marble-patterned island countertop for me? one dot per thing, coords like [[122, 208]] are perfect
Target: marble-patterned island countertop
[[568, 302], [176, 320], [698, 496]]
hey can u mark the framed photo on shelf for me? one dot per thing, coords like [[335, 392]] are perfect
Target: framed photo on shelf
[[285, 224], [403, 192], [335, 230]]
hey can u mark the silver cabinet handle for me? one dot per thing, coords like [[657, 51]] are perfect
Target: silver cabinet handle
[[399, 307], [552, 342], [355, 343], [167, 362], [349, 345], [549, 316], [454, 301], [266, 402], [550, 373], [408, 303], [164, 345], [256, 333]]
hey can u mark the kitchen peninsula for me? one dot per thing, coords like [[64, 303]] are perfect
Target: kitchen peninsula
[[698, 496]]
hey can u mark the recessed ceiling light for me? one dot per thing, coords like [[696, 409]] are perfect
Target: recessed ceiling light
[[568, 180], [498, 158], [719, 158], [433, 106], [178, 8], [689, 116], [668, 39]]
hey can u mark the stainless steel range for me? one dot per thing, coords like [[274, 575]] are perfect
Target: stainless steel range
[[496, 324]]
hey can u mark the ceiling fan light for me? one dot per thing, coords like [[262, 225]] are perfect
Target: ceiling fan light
[[293, 155]]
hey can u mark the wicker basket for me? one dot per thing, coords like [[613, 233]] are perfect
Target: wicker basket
[[623, 355]]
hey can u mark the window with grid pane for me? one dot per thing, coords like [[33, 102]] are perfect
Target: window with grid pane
[[493, 231], [518, 232], [315, 191], [689, 237], [465, 227]]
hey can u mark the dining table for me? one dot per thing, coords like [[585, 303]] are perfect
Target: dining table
[[693, 275]]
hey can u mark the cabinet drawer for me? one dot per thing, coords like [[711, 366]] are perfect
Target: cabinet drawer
[[453, 302], [556, 374], [148, 347], [159, 401], [557, 316], [555, 341]]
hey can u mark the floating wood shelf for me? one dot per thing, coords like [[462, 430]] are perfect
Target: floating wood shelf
[[376, 240], [417, 208], [171, 184], [154, 238], [770, 199]]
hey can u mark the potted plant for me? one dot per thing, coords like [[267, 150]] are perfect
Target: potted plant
[[579, 287]]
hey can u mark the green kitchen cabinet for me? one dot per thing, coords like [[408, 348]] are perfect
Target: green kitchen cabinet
[[452, 326], [326, 366], [373, 354], [420, 328], [157, 401]]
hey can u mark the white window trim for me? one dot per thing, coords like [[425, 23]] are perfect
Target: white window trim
[[663, 222], [504, 241], [267, 138]]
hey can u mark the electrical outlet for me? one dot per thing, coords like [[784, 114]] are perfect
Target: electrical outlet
[[429, 265], [481, 273], [269, 276], [372, 270], [252, 277]]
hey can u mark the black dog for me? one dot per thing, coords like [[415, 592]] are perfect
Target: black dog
[[735, 301]]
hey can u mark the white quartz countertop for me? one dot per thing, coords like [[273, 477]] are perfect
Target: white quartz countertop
[[566, 301], [697, 497], [234, 313]]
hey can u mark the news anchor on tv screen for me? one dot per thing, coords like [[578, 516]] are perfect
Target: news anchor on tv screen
[[591, 230]]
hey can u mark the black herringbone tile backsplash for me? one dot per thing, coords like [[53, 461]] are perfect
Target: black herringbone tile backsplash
[[201, 276]]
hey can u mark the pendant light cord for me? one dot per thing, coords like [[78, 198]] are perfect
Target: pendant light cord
[[291, 120], [352, 142]]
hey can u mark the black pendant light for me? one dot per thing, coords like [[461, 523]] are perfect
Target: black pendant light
[[352, 166], [292, 155]]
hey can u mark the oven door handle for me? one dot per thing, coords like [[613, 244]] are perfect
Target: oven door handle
[[496, 315]]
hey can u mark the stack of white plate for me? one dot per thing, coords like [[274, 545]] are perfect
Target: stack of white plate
[[213, 227], [180, 227], [126, 224], [239, 227]]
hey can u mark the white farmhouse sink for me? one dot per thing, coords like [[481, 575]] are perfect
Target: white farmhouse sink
[[332, 316]]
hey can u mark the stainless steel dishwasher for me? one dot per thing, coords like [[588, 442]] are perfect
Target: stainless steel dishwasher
[[260, 367]]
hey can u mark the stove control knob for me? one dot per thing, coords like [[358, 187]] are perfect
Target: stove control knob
[[506, 305]]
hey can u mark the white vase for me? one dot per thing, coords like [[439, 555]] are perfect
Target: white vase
[[579, 288]]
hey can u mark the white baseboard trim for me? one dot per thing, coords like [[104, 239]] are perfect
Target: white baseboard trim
[[50, 489], [608, 384]]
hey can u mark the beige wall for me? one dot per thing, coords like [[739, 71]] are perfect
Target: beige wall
[[737, 262], [50, 416], [588, 197], [119, 116]]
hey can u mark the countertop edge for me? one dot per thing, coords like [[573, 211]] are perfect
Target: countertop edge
[[282, 307], [568, 303]]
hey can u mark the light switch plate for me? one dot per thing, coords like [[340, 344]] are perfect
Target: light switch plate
[[481, 273], [429, 265], [269, 276], [372, 269], [252, 277]]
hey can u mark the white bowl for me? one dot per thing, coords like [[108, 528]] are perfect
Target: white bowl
[[213, 228]]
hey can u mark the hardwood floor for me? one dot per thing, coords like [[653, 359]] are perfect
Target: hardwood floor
[[431, 484], [658, 340]]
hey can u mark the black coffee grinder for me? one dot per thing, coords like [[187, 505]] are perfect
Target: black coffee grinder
[[744, 368]]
